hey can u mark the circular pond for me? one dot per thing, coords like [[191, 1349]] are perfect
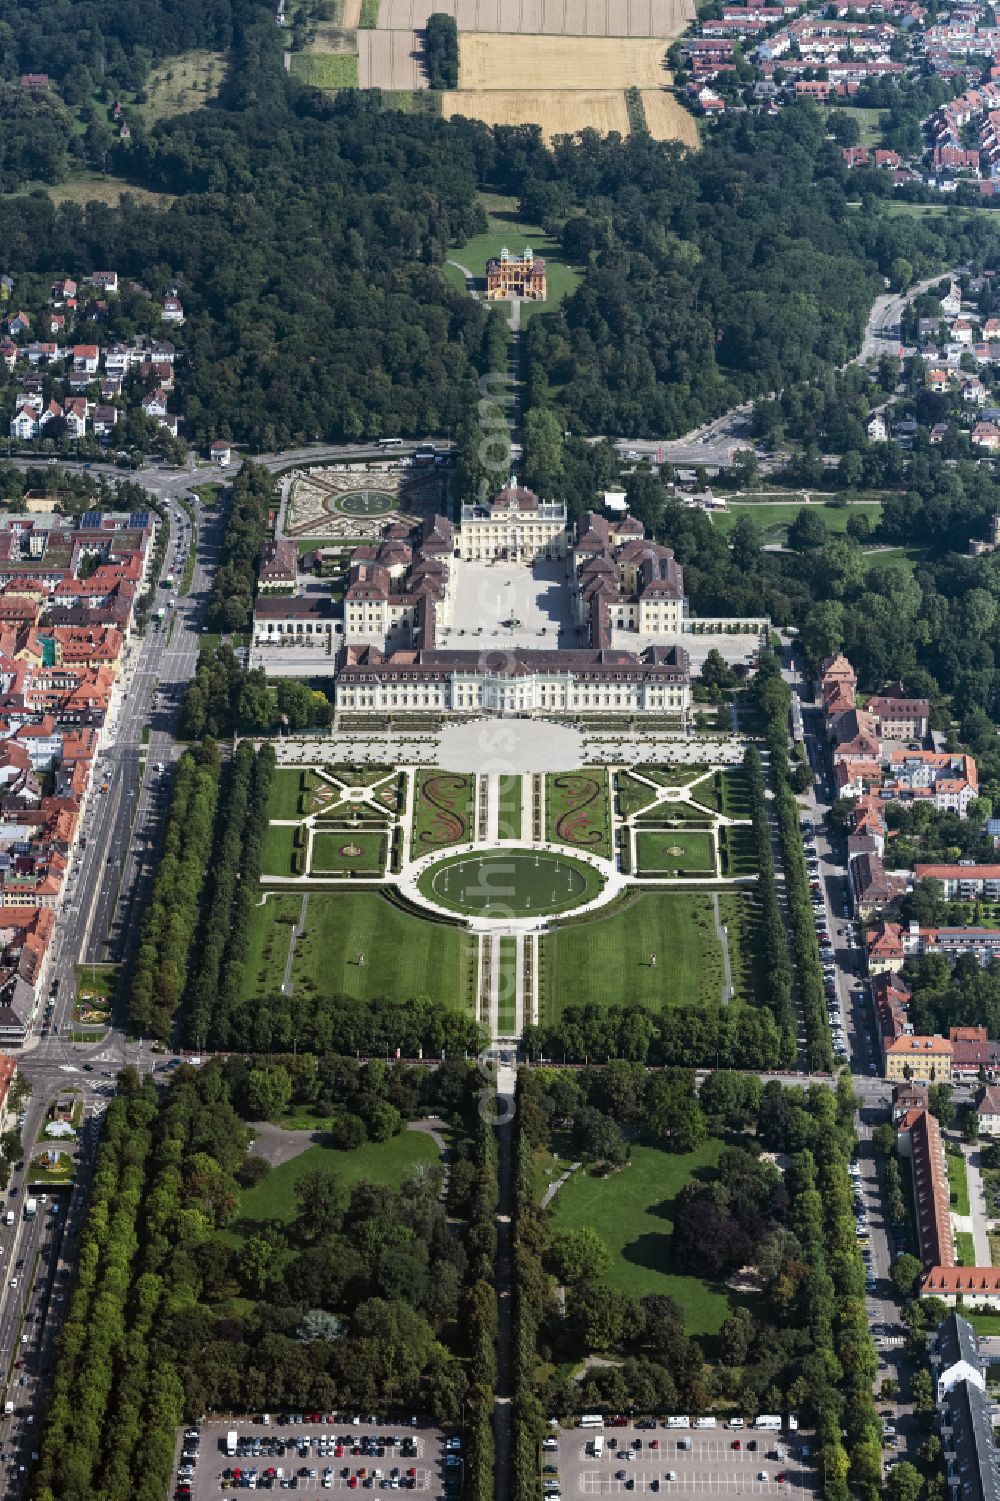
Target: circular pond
[[365, 503], [510, 883]]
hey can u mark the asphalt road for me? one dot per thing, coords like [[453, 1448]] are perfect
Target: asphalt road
[[882, 331]]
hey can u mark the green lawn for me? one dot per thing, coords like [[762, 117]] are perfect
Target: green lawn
[[724, 792], [405, 956], [578, 810], [631, 1212], [739, 914], [209, 492], [965, 1248], [904, 558], [62, 1172], [509, 807], [674, 852], [869, 122], [270, 934], [386, 1162], [633, 795], [605, 959], [182, 83], [507, 987], [325, 70], [773, 518], [510, 883], [896, 208], [96, 984], [674, 776], [286, 789], [363, 853], [506, 227], [279, 844], [739, 850], [735, 793], [958, 1182], [983, 1323]]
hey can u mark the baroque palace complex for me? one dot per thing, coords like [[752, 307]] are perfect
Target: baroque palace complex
[[400, 598]]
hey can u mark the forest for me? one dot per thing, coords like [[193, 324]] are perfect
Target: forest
[[84, 43], [309, 230], [358, 1295]]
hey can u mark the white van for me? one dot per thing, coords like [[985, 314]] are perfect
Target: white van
[[679, 1421], [703, 1423], [597, 1447], [735, 1423]]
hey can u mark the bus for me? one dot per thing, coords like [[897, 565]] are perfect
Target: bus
[[390, 442], [592, 1420]]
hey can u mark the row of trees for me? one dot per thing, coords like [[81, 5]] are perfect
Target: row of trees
[[171, 919], [736, 1035], [217, 991], [778, 969], [773, 698], [530, 1294], [481, 1306], [224, 698], [230, 604], [97, 1341], [335, 1023]]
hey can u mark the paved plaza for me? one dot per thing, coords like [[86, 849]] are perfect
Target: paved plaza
[[539, 598], [510, 745]]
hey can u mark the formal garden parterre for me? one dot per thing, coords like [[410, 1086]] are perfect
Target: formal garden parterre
[[452, 905]]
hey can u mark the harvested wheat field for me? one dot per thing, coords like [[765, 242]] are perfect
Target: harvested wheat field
[[563, 112], [391, 60], [523, 63], [617, 18], [667, 119]]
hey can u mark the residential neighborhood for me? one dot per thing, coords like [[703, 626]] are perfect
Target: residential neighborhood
[[69, 378]]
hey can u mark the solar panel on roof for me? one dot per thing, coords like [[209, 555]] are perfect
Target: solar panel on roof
[[90, 519]]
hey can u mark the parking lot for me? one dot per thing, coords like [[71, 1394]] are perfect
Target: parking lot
[[716, 1463], [318, 1453]]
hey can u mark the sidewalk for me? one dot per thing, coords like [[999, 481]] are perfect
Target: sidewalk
[[977, 1204]]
